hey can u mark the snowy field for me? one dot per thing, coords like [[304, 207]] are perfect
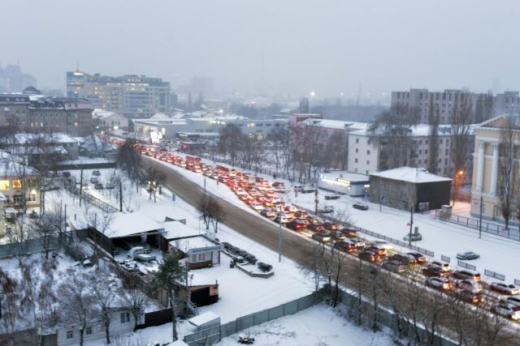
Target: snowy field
[[438, 236], [319, 325]]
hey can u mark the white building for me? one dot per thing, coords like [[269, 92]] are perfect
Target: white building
[[365, 152], [109, 121], [352, 184]]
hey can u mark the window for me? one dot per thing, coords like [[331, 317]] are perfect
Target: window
[[355, 160], [4, 185], [125, 317], [356, 150], [368, 162], [446, 151], [368, 152], [18, 199], [17, 184], [202, 257], [426, 151], [440, 141], [357, 140], [89, 330], [70, 334]]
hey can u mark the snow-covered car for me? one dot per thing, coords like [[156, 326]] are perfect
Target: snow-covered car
[[360, 206], [504, 289], [257, 206], [507, 311], [326, 210], [413, 236], [439, 283], [467, 256]]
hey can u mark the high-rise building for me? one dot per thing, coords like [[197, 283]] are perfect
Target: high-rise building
[[12, 79], [130, 95]]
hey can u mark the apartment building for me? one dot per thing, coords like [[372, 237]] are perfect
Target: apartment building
[[367, 155], [488, 163], [130, 95]]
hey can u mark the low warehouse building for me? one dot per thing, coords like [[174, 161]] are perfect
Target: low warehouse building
[[345, 183], [407, 187]]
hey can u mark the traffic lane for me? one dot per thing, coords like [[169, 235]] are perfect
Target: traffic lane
[[256, 228]]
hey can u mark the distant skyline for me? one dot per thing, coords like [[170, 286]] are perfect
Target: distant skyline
[[290, 47]]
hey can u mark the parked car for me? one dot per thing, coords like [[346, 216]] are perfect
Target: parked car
[[370, 256], [349, 232], [413, 236], [515, 301], [394, 266], [439, 283], [98, 186], [316, 227], [403, 258], [467, 256], [94, 180], [66, 174], [307, 190], [331, 197], [96, 173], [419, 257], [270, 213], [507, 311], [345, 246], [435, 272], [504, 289], [466, 275], [323, 237], [469, 285], [296, 225], [326, 209], [110, 186], [471, 296], [331, 226], [360, 206]]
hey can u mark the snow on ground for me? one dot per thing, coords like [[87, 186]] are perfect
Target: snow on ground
[[438, 236], [319, 325]]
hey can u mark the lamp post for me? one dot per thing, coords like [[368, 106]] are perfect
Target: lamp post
[[458, 178], [280, 237]]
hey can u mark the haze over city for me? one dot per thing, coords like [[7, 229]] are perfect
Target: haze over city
[[289, 47]]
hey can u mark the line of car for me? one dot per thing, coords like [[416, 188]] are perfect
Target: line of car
[[261, 196]]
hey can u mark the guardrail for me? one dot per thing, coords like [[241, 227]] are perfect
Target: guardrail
[[87, 197], [466, 265], [446, 259], [376, 235], [517, 282], [495, 275]]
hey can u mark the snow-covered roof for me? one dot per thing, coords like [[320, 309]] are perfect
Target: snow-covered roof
[[25, 138], [101, 113], [10, 169], [515, 118], [198, 242], [158, 116], [422, 130], [177, 230], [352, 177], [204, 318], [125, 225], [411, 175]]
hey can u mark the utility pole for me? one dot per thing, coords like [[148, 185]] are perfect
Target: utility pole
[[80, 186], [411, 226], [316, 201], [280, 237], [120, 196], [480, 218]]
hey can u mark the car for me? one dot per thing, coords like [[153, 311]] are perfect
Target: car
[[94, 180], [469, 285], [379, 251], [504, 289], [349, 232], [326, 209], [403, 258], [316, 227], [337, 236], [435, 272], [359, 242], [291, 208], [279, 184], [467, 256], [66, 174], [283, 219], [257, 206], [270, 213], [331, 197], [301, 214], [466, 275], [96, 173], [360, 206], [439, 283], [471, 296], [322, 237], [515, 301], [394, 266], [330, 226], [345, 246], [507, 311], [419, 257], [295, 225], [444, 266], [110, 186], [307, 190], [370, 256], [98, 186], [413, 236]]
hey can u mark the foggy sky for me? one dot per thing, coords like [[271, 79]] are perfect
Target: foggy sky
[[326, 46]]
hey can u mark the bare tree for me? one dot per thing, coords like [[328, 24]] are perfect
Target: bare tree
[[129, 160], [484, 107], [136, 300], [103, 298], [48, 226], [229, 140], [211, 211], [507, 180], [433, 121]]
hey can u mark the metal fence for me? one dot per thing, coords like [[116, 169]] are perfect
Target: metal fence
[[466, 265], [487, 227], [446, 259], [88, 198], [377, 235], [495, 275], [213, 335], [29, 246]]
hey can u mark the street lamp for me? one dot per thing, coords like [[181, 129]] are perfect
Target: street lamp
[[280, 237], [458, 179]]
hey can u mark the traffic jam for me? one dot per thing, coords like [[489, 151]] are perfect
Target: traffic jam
[[266, 198]]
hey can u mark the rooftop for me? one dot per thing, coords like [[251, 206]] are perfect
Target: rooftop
[[411, 175], [126, 225], [177, 230]]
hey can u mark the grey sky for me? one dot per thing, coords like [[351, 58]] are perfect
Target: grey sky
[[326, 45]]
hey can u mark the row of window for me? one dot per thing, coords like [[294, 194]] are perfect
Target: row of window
[[124, 318]]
